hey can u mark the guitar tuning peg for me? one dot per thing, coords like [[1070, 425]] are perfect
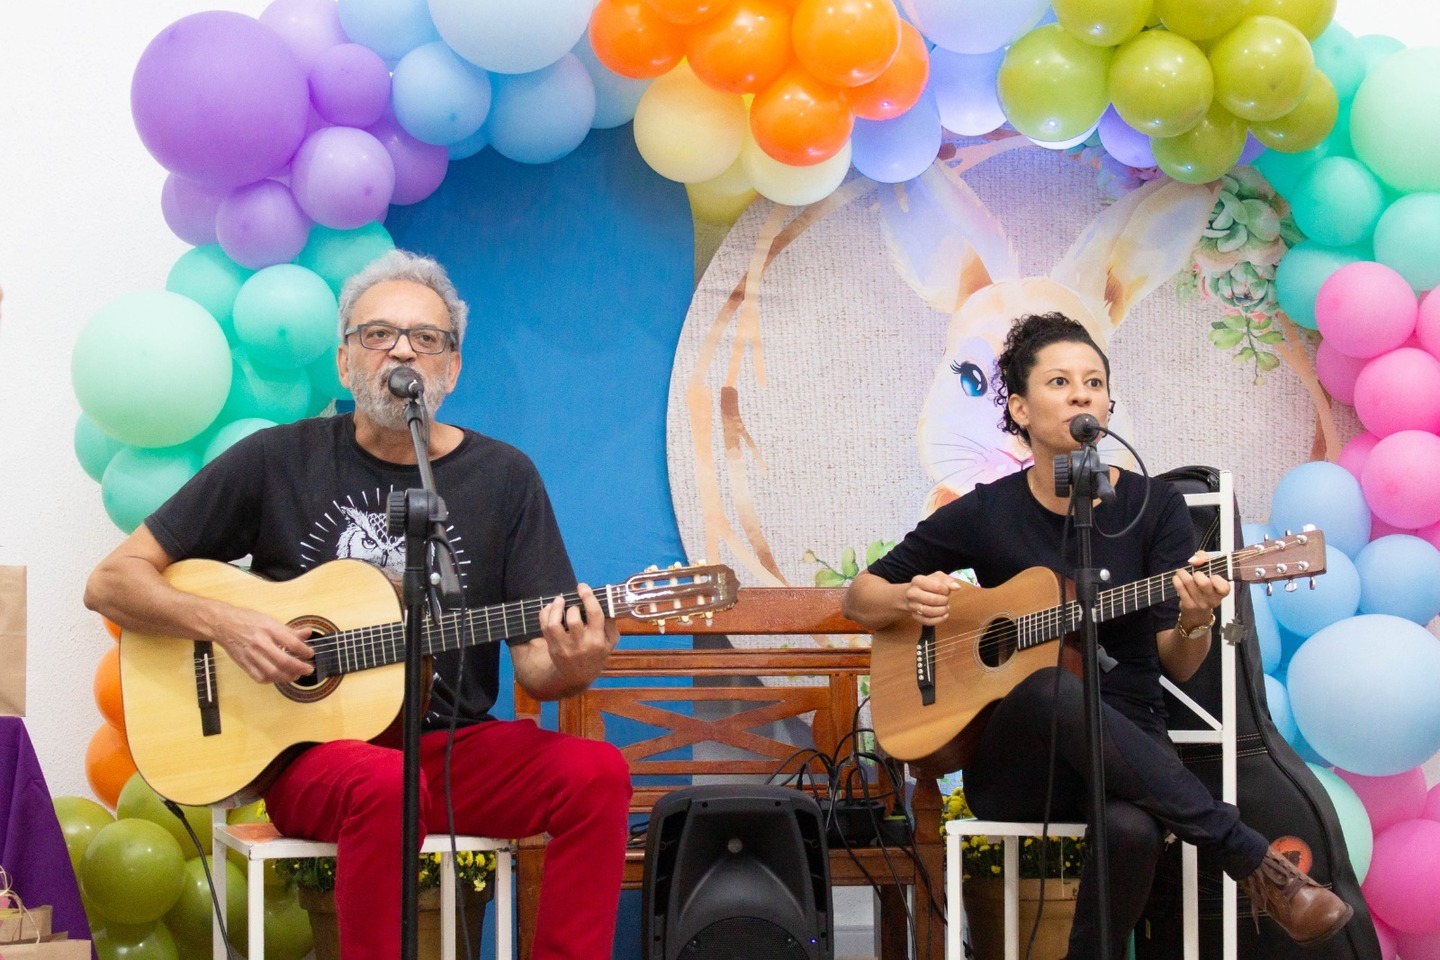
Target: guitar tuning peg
[[676, 565], [660, 625], [1312, 583], [1269, 589], [651, 569], [684, 619], [1291, 586]]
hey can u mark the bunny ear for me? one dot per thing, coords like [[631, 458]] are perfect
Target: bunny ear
[[1137, 244], [943, 240]]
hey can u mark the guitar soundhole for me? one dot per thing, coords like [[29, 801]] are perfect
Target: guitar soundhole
[[997, 646], [310, 688]]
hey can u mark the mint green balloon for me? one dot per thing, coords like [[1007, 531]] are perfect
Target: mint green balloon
[[1353, 817], [259, 391], [1342, 58], [94, 447], [1378, 47], [336, 254], [1338, 202], [151, 368], [286, 316], [210, 278], [138, 480], [230, 434], [1395, 123], [1407, 239], [132, 871], [325, 380], [1052, 86], [1304, 268]]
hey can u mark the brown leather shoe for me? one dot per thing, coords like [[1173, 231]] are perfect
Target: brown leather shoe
[[1308, 912]]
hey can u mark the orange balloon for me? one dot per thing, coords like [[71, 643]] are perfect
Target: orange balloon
[[846, 42], [112, 628], [107, 689], [629, 37], [899, 87], [744, 49], [108, 765], [800, 121], [686, 12]]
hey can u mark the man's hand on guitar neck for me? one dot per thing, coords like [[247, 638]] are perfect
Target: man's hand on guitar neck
[[570, 651]]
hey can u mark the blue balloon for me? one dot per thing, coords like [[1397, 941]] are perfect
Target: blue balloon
[[616, 97], [1400, 575], [392, 28], [438, 97], [1328, 496], [1304, 268], [1363, 692], [1267, 630], [1277, 698], [965, 91], [899, 149], [470, 146], [542, 116], [1335, 597]]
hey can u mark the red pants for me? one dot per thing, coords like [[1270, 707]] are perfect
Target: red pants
[[508, 779]]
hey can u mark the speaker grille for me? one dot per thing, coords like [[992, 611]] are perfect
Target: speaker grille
[[743, 938]]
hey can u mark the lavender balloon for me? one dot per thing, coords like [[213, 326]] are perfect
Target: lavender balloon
[[343, 177], [261, 225], [964, 89], [1124, 142], [419, 167], [310, 27], [219, 98], [189, 209], [350, 85]]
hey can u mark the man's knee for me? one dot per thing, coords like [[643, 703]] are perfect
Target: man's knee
[[1132, 831]]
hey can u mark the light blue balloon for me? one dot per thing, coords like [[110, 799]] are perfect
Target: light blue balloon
[[137, 481], [965, 91], [1341, 58], [336, 254], [1301, 272], [1364, 693], [542, 116], [439, 98], [286, 316], [1328, 496], [1338, 202], [1253, 533], [1278, 702], [392, 28], [1407, 239], [1267, 630], [230, 434], [256, 391], [1400, 575], [616, 97], [514, 37], [975, 26], [1354, 819], [470, 146], [1334, 597], [210, 278], [899, 149]]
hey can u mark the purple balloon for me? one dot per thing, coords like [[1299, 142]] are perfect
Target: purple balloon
[[261, 225], [219, 98], [1252, 149], [899, 149], [189, 209], [350, 85], [419, 167], [1124, 142], [343, 177], [309, 27]]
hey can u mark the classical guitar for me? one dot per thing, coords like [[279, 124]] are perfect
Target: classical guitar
[[202, 732], [933, 688]]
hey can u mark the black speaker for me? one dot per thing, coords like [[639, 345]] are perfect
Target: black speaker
[[736, 872]]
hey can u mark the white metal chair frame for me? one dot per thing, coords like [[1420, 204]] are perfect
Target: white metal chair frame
[[1221, 731], [259, 842]]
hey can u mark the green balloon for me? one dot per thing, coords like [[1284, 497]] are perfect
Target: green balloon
[[1378, 47], [259, 391], [132, 872], [151, 368], [1303, 269], [287, 928], [1051, 85], [210, 278], [325, 380], [231, 433], [1342, 58], [1199, 20], [1354, 819], [80, 819], [138, 480], [1104, 23], [337, 254], [190, 920], [1395, 123], [1161, 83], [94, 448], [1262, 68], [139, 801], [1338, 202], [147, 941], [1407, 239], [1203, 153], [286, 316], [1310, 17], [1305, 127]]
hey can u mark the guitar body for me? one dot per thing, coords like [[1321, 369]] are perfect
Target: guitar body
[[975, 667], [261, 725]]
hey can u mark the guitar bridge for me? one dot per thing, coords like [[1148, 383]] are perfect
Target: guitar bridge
[[206, 695], [925, 666]]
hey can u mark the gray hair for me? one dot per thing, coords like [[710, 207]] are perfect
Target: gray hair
[[404, 265]]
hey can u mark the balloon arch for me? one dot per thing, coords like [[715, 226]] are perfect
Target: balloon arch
[[288, 138]]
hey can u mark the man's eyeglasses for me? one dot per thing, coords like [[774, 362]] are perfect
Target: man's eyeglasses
[[383, 336]]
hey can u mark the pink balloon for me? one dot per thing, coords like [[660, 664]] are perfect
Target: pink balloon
[[1386, 936], [343, 178], [1427, 323], [350, 85], [1388, 800], [419, 167], [189, 209], [1403, 885], [260, 225], [1399, 390], [1337, 371], [1418, 946], [1401, 479], [1379, 528], [1365, 309], [1354, 454], [1430, 534], [308, 27], [1432, 804]]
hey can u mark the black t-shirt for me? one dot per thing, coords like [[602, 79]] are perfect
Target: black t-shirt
[[294, 496], [1000, 529]]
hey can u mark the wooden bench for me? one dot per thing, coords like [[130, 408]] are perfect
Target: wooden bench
[[715, 700]]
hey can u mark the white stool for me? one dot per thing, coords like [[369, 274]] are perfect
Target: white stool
[[259, 842]]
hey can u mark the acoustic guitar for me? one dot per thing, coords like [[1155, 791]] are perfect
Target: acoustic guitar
[[932, 689], [201, 731]]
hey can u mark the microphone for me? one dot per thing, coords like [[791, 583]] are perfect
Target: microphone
[[1084, 428], [406, 384]]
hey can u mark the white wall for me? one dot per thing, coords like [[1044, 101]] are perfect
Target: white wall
[[79, 204]]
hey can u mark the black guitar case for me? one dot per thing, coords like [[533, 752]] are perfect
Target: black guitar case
[[1277, 794]]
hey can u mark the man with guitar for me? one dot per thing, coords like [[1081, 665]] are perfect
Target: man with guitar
[[1050, 372], [295, 496]]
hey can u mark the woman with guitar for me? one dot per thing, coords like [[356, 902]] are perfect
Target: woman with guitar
[[306, 499], [1050, 372]]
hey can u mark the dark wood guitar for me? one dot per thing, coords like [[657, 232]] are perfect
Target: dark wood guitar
[[202, 732], [932, 689]]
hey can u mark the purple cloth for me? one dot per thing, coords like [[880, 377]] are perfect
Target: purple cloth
[[32, 847]]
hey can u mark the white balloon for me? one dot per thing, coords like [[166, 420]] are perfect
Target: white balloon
[[973, 26]]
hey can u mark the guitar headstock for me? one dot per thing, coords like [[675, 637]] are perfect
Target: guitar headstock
[[1284, 558], [680, 593]]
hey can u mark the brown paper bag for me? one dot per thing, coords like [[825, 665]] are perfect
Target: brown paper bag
[[54, 949], [18, 924], [12, 641]]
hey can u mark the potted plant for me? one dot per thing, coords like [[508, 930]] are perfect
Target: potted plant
[[1058, 862], [314, 878]]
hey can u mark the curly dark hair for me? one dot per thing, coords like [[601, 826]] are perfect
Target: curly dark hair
[[1027, 337]]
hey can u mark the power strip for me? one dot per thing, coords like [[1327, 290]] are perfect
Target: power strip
[[863, 823]]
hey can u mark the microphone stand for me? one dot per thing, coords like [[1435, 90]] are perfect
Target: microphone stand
[[420, 515], [1086, 479]]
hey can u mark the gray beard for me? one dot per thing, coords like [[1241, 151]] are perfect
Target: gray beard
[[387, 411]]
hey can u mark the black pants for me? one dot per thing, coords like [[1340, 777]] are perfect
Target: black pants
[[1149, 792]]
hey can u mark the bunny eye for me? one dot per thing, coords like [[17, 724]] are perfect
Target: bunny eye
[[972, 378]]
